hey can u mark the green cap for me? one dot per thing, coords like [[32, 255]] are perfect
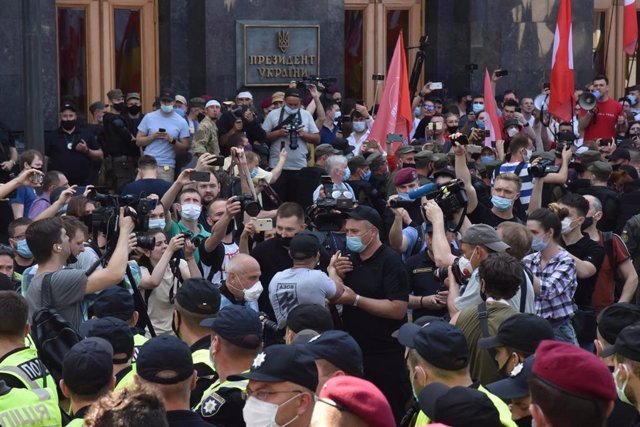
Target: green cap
[[589, 156], [133, 95], [424, 155], [600, 168], [114, 93], [405, 149]]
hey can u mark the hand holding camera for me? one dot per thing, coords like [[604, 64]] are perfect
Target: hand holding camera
[[176, 243], [125, 222], [31, 178]]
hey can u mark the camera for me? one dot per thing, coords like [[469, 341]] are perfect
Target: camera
[[105, 217], [543, 168], [317, 81], [196, 240], [565, 136], [401, 203], [327, 215], [146, 242], [241, 109], [451, 197], [461, 277], [460, 138], [267, 324], [249, 205]]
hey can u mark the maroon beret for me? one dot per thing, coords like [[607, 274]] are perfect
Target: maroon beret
[[575, 370], [361, 398], [405, 176]]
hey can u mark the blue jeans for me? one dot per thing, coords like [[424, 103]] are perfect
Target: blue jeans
[[566, 333]]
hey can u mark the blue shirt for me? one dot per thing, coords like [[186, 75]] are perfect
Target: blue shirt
[[327, 136], [24, 196], [174, 125]]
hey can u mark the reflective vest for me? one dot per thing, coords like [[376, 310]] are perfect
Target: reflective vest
[[202, 357], [25, 366], [208, 403], [128, 380], [503, 410], [29, 408], [76, 422], [138, 341]]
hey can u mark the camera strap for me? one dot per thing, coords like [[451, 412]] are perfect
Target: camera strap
[[483, 318]]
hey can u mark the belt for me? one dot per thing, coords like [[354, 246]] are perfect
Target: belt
[[121, 157]]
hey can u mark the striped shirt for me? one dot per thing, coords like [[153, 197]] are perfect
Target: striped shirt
[[558, 283], [525, 179]]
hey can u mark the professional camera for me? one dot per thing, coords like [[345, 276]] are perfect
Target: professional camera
[[402, 203], [241, 109], [329, 210], [105, 217], [317, 81], [249, 205], [195, 239], [543, 168], [461, 277], [296, 122], [565, 136], [267, 324], [451, 197], [460, 138], [145, 242]]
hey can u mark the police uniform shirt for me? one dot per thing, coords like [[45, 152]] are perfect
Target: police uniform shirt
[[206, 375], [183, 418], [423, 283], [223, 406]]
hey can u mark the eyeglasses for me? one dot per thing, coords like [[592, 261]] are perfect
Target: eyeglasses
[[264, 395], [429, 107], [336, 405]]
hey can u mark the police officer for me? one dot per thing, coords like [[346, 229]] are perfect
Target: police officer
[[34, 408], [196, 300], [19, 364], [235, 340], [87, 375], [120, 336], [116, 301]]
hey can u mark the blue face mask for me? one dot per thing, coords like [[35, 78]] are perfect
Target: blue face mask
[[290, 110], [254, 172], [632, 99], [501, 203], [367, 175], [180, 112], [486, 159], [538, 244], [347, 174], [23, 249], [157, 223], [355, 244], [596, 93], [480, 124], [417, 112], [166, 108], [359, 127], [477, 107], [337, 116]]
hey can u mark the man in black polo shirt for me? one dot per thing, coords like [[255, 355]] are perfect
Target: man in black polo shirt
[[377, 288], [70, 149]]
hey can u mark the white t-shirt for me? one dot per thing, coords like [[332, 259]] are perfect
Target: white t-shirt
[[159, 306], [296, 159]]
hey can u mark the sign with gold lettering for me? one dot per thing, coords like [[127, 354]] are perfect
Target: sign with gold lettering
[[272, 53]]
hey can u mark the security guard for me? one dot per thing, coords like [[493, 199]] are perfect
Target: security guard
[[196, 300], [32, 408], [87, 375], [438, 352], [235, 341], [116, 301], [120, 336], [19, 364]]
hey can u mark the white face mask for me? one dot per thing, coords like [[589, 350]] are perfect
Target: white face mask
[[566, 225], [253, 293], [190, 211], [620, 389], [512, 132], [257, 413]]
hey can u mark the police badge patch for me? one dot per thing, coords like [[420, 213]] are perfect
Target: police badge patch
[[212, 405]]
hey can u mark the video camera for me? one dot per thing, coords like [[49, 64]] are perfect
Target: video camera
[[461, 277], [328, 215], [543, 168], [316, 81], [451, 197], [241, 109]]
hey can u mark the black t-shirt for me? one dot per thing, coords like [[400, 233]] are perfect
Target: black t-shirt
[[184, 418], [253, 130], [59, 146], [422, 282], [610, 201], [223, 408], [17, 268], [146, 186], [383, 277], [484, 215], [118, 130], [590, 251]]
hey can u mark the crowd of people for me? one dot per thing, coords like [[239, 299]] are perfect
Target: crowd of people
[[232, 264]]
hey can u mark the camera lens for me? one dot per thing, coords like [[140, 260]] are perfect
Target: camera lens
[[146, 242]]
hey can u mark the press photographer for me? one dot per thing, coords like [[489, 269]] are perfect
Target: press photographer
[[241, 118]]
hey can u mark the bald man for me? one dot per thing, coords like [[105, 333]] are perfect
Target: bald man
[[242, 285]]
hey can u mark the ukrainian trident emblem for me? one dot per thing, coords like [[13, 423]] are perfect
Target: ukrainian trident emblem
[[283, 40]]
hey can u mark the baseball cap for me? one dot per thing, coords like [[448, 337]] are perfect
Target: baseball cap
[[196, 102], [166, 94], [485, 235], [458, 406], [360, 397], [115, 301], [68, 106], [375, 159], [445, 172], [309, 316], [237, 324], [181, 99], [199, 296], [98, 105], [439, 343], [615, 318], [366, 213], [600, 167], [566, 366], [338, 348], [280, 362], [115, 93], [510, 122], [323, 149], [620, 153], [304, 245], [343, 146], [424, 154], [405, 149], [164, 355], [522, 332], [292, 91], [277, 97], [116, 331], [358, 162], [132, 95], [516, 385], [627, 344], [589, 156], [439, 160], [405, 176], [88, 366]]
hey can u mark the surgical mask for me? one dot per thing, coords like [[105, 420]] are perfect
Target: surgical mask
[[566, 226], [587, 223], [23, 249], [478, 107], [157, 223], [486, 159], [367, 175], [346, 175], [358, 127], [538, 244], [465, 266], [180, 112], [501, 203], [68, 124], [512, 132], [528, 155], [620, 389], [417, 112], [254, 172], [355, 244], [166, 108], [253, 293], [480, 124], [290, 110], [597, 94], [337, 115], [632, 99], [190, 211], [133, 109], [257, 413]]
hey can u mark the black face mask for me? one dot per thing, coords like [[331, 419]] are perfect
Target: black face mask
[[68, 124], [577, 167], [524, 421], [408, 165], [502, 371], [452, 129], [120, 107], [284, 241], [72, 259], [201, 117], [175, 328], [587, 223], [133, 109]]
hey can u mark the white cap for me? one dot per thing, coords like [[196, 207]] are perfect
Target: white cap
[[245, 95], [211, 103], [181, 98]]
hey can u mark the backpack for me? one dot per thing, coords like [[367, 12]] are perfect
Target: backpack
[[53, 334]]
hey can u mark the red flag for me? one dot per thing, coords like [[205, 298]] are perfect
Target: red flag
[[491, 109], [394, 114], [561, 100], [630, 33]]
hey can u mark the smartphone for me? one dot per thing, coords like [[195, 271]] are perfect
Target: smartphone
[[435, 126], [218, 161], [501, 73], [394, 137], [199, 176], [435, 85], [263, 224], [604, 142], [162, 130], [518, 110], [326, 180], [485, 133]]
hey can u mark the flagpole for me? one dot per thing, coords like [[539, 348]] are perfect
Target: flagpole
[[630, 65], [374, 109]]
